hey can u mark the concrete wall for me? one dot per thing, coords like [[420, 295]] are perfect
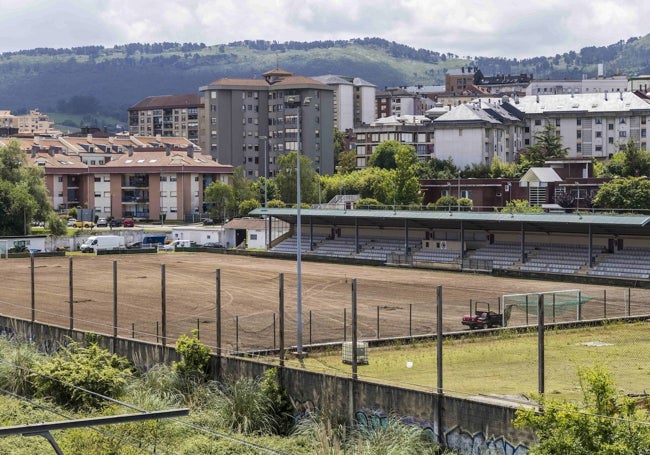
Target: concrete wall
[[471, 427]]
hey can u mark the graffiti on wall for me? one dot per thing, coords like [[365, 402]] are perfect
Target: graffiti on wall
[[478, 444], [456, 438]]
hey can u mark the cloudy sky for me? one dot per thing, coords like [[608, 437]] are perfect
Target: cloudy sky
[[494, 28]]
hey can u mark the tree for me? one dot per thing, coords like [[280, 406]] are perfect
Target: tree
[[407, 186], [631, 193], [437, 169], [218, 195], [23, 195], [259, 187], [245, 207], [347, 162], [605, 424], [384, 155], [286, 181], [242, 188], [547, 145], [521, 206], [629, 161]]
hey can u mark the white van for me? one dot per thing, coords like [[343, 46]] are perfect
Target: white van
[[177, 244], [96, 243]]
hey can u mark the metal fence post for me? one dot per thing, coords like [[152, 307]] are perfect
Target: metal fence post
[[114, 306], [71, 288], [540, 343]]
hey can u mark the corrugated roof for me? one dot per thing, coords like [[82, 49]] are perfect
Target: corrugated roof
[[168, 101], [482, 221]]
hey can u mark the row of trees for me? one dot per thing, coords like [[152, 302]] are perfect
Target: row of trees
[[393, 173]]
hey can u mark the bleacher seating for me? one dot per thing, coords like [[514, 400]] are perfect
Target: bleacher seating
[[379, 249], [503, 255], [626, 263], [557, 258], [290, 245]]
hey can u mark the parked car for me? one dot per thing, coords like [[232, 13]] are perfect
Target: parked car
[[71, 222], [102, 222], [128, 222], [83, 224], [482, 319], [212, 245], [116, 222], [180, 243]]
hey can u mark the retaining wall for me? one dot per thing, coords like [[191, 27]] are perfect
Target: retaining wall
[[469, 426]]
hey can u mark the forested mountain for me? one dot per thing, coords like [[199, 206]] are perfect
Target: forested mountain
[[106, 81]]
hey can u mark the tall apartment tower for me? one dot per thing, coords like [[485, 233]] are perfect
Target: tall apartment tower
[[168, 116], [249, 121]]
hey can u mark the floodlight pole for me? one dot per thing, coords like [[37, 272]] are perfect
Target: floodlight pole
[[295, 103], [267, 219]]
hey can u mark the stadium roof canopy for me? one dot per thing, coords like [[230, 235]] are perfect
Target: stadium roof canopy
[[583, 223]]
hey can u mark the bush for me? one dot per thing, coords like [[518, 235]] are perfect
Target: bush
[[73, 372], [195, 357], [245, 408], [15, 369]]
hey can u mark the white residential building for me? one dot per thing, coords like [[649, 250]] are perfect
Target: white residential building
[[591, 125], [478, 132]]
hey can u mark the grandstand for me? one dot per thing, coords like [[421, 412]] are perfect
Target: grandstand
[[596, 245]]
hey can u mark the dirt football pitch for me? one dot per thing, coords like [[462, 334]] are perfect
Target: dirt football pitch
[[392, 302]]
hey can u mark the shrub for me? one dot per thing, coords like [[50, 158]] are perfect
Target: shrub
[[18, 359], [73, 372], [244, 407], [195, 357]]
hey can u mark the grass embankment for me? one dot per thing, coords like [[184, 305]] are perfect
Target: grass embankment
[[506, 363]]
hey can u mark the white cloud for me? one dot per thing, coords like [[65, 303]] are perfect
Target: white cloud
[[504, 28]]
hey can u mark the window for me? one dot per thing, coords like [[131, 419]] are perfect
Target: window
[[579, 148], [60, 179], [610, 126], [599, 134], [253, 236], [98, 194], [579, 134], [610, 140], [98, 179], [599, 148], [538, 122], [622, 134], [163, 178], [557, 122], [579, 121], [599, 121], [622, 121]]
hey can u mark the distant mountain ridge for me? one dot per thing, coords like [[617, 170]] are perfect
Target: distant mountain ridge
[[98, 80]]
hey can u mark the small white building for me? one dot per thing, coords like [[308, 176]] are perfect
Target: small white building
[[246, 233], [199, 234], [35, 243]]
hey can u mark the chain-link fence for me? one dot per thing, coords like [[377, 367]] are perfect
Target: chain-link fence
[[156, 298]]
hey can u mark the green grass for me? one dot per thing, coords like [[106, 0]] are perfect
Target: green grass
[[508, 365]]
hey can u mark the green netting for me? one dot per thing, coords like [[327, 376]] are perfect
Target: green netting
[[561, 302]]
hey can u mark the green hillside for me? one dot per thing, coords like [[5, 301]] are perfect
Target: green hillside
[[98, 81]]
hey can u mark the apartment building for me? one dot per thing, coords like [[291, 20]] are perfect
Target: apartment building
[[168, 116], [399, 101], [250, 123], [353, 100], [124, 176], [592, 125], [33, 123], [613, 84], [416, 131], [478, 133]]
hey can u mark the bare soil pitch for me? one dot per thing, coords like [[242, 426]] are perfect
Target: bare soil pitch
[[402, 300]]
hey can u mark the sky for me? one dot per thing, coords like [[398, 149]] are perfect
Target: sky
[[487, 28]]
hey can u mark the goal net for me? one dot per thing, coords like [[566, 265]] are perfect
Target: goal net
[[555, 302]]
